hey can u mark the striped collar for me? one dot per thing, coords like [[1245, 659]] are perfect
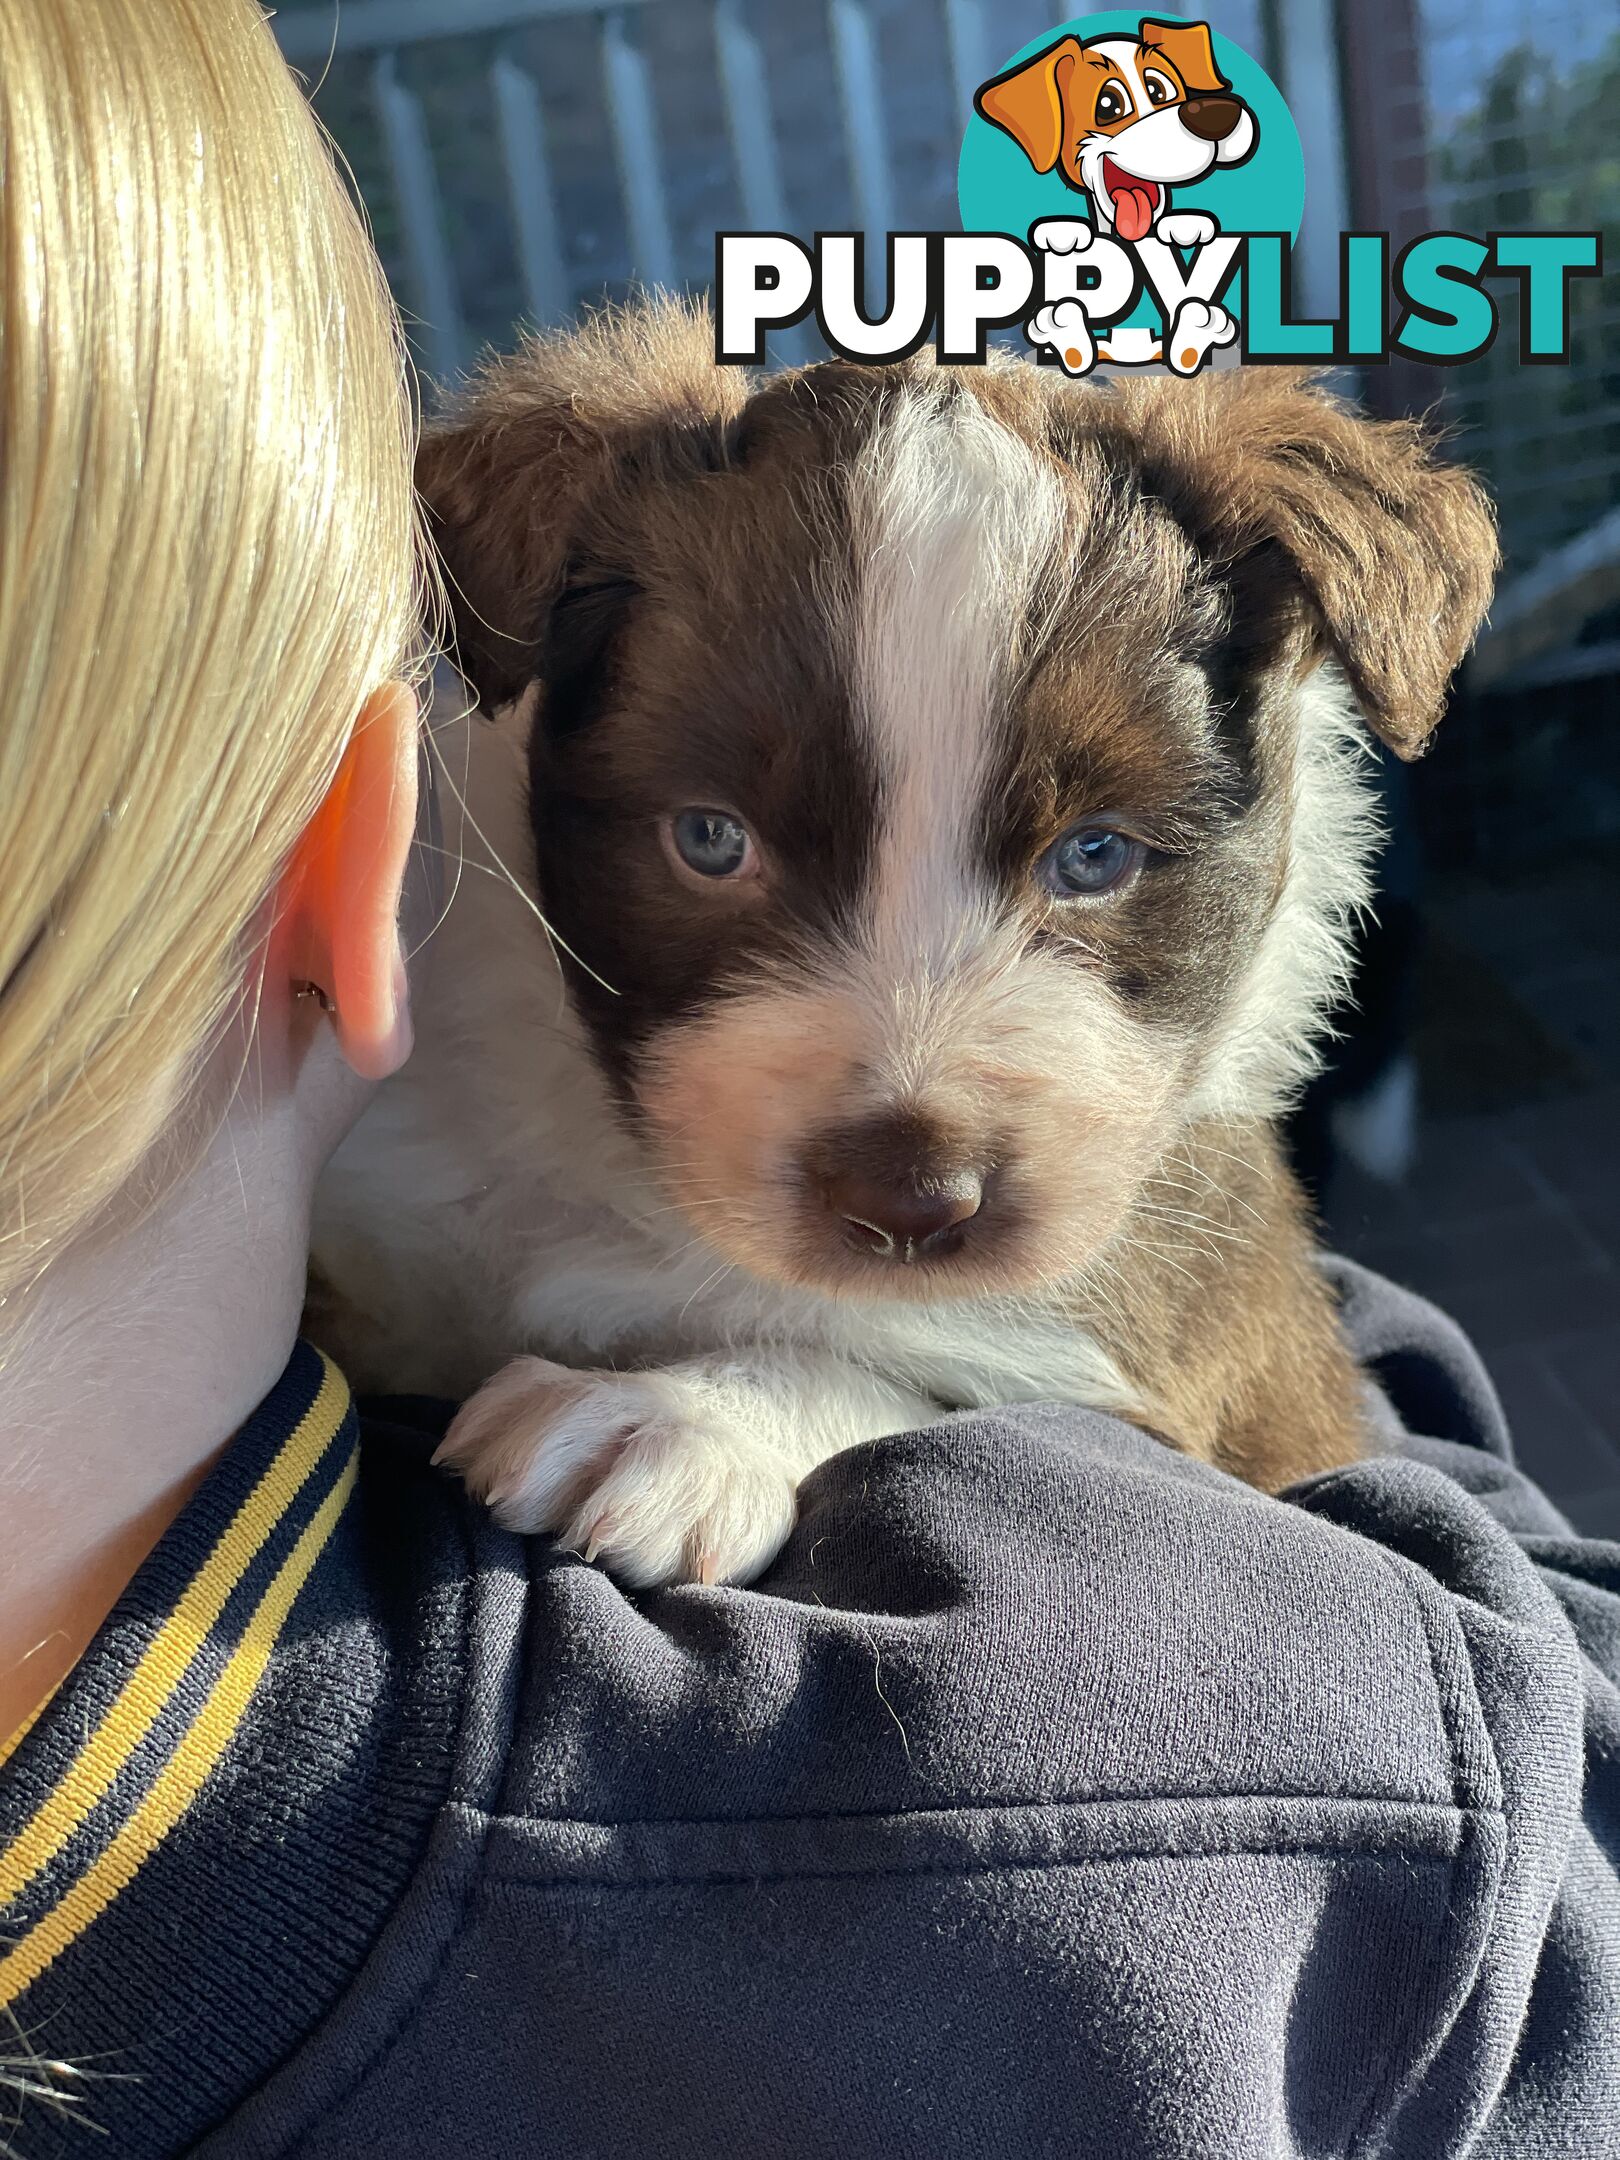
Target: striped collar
[[145, 1718], [184, 1752]]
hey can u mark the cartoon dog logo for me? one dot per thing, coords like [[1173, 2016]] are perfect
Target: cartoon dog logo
[[1124, 119]]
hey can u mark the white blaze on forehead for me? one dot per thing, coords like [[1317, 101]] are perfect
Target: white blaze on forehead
[[955, 518], [1123, 53]]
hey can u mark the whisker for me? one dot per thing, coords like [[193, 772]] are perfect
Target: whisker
[[504, 871], [726, 1267]]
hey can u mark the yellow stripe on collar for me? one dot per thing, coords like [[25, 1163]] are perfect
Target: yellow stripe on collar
[[8, 1748], [203, 1743], [169, 1656]]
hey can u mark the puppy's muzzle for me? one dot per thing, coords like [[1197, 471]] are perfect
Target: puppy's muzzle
[[1211, 119]]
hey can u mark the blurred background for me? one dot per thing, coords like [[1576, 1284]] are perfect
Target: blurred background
[[520, 158]]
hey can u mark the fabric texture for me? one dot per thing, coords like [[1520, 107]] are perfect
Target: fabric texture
[[1053, 1794], [203, 1833]]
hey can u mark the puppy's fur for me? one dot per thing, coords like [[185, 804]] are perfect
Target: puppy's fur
[[910, 626]]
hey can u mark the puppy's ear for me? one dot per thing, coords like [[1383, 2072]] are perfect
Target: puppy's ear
[[1393, 549], [1190, 51], [1027, 102], [523, 475]]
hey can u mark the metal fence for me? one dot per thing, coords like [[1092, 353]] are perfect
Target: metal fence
[[1520, 111], [494, 42], [520, 156]]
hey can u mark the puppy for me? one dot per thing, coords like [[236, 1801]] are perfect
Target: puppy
[[1124, 118], [934, 812]]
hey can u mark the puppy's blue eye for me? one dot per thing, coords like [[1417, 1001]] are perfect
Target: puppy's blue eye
[[712, 843], [1090, 860]]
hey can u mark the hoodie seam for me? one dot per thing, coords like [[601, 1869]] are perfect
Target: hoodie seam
[[1403, 1856]]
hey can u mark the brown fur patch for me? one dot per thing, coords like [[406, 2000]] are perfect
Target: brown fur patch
[[1226, 1324], [1394, 551]]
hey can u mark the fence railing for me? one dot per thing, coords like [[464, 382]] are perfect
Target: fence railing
[[766, 107], [971, 34], [387, 28]]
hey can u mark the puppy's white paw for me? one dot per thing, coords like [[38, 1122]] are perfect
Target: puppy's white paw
[[645, 1471], [1199, 325], [1062, 235], [1062, 325], [1186, 228]]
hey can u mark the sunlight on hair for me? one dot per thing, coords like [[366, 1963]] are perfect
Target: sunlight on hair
[[209, 557]]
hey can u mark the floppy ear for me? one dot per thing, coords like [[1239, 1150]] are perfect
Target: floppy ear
[[1190, 51], [1027, 102], [518, 477], [1393, 550]]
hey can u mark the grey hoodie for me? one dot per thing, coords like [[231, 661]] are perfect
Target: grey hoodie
[[1053, 1794]]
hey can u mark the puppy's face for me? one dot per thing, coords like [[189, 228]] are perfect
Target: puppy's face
[[888, 795], [917, 795]]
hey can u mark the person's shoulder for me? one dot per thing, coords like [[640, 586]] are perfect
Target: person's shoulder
[[950, 1594], [417, 1528], [1033, 1729], [436, 1570]]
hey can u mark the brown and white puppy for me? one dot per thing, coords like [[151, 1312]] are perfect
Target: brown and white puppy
[[942, 790]]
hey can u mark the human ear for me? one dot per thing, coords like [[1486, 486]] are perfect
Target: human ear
[[338, 934]]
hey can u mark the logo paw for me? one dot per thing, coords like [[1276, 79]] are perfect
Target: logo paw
[[1200, 326], [1186, 228], [1063, 329], [1061, 236]]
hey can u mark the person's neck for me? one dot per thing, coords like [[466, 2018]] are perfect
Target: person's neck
[[138, 1360]]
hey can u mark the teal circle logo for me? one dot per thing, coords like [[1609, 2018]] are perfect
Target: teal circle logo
[[1122, 120]]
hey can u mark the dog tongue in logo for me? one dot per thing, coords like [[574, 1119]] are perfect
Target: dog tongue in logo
[[1134, 201], [1133, 212]]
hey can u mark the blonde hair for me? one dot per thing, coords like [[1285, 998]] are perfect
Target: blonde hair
[[208, 556]]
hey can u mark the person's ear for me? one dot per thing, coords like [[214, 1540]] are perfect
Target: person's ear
[[340, 900]]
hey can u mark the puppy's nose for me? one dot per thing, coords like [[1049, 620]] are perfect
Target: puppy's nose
[[1211, 119], [903, 1218]]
